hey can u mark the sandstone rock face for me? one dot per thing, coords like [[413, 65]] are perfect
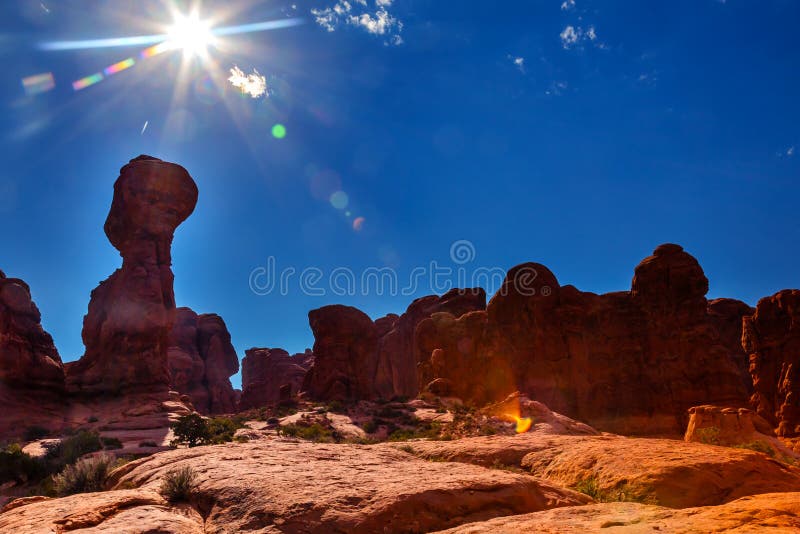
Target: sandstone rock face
[[28, 357], [357, 358], [771, 512], [629, 362], [31, 372], [345, 344], [396, 372], [772, 339], [264, 486], [727, 316], [666, 472], [126, 330], [201, 361], [272, 375]]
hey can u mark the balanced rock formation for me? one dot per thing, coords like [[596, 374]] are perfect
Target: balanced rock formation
[[28, 357], [201, 361], [629, 362], [272, 375], [126, 331], [772, 339]]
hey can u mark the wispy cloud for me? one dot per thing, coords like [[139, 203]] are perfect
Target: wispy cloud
[[253, 84], [373, 17], [518, 62], [790, 151], [567, 5], [574, 36]]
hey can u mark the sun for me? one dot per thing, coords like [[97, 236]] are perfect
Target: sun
[[190, 34]]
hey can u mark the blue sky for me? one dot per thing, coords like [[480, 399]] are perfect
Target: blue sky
[[494, 123]]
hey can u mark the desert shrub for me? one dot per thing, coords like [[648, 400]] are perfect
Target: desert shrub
[[73, 447], [93, 419], [222, 429], [406, 448], [111, 443], [179, 484], [148, 444], [241, 439], [19, 466], [757, 446], [314, 432], [370, 426], [389, 412], [33, 433], [191, 430], [591, 487], [336, 406], [708, 435], [85, 475]]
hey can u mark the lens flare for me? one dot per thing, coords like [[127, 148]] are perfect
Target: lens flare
[[38, 83], [190, 34], [279, 131], [118, 67], [83, 83], [523, 423]]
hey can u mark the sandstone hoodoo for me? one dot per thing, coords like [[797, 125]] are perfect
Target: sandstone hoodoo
[[772, 338], [272, 375], [126, 330], [202, 360]]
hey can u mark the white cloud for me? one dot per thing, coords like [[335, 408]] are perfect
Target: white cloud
[[253, 84], [567, 5], [374, 19], [572, 36], [518, 61], [569, 36], [790, 151]]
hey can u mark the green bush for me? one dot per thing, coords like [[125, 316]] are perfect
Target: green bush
[[19, 466], [591, 487], [179, 484], [148, 444], [708, 435], [193, 430], [86, 475], [757, 446], [315, 432], [34, 433], [70, 449], [370, 427]]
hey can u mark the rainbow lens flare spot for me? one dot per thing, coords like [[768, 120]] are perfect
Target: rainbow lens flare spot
[[38, 83], [118, 67], [339, 200], [155, 50], [279, 131], [83, 83]]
